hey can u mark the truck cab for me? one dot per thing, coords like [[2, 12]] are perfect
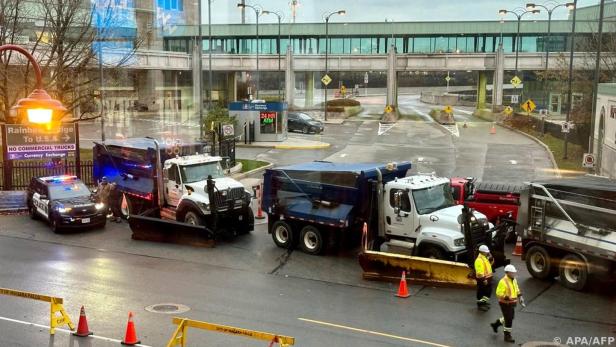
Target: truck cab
[[421, 214]]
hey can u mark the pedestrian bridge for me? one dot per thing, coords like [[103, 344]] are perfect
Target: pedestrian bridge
[[161, 60]]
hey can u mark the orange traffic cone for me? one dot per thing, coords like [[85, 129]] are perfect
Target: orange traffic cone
[[517, 250], [493, 129], [403, 291], [130, 338], [82, 327]]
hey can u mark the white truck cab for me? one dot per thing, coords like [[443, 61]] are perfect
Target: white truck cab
[[420, 214], [185, 187]]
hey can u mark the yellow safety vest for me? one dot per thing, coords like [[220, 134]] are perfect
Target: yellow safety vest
[[483, 268], [508, 288]]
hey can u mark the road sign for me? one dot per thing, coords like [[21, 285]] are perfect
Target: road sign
[[448, 109], [227, 130], [326, 79], [389, 109], [566, 127], [516, 81], [38, 142], [589, 160], [508, 110], [515, 99], [544, 112], [529, 106], [366, 78], [447, 78]]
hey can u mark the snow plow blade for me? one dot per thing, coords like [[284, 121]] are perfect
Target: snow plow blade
[[161, 230], [388, 267]]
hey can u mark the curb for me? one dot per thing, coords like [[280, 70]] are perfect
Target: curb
[[547, 149], [321, 146], [246, 174]]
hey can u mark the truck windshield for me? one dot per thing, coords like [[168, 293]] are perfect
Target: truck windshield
[[68, 190], [199, 172], [434, 198]]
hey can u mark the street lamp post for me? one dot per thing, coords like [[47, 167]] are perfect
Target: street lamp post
[[341, 13], [550, 10], [39, 107], [517, 36], [570, 78], [209, 56], [278, 46], [257, 12]]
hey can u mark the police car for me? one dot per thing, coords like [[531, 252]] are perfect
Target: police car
[[64, 202]]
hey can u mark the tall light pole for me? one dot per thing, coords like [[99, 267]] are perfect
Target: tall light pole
[[596, 82], [550, 10], [278, 47], [341, 13], [209, 57], [200, 67], [570, 77], [392, 30], [517, 36], [257, 12]]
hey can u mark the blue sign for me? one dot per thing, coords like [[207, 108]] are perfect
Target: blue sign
[[116, 26], [37, 155], [257, 106]]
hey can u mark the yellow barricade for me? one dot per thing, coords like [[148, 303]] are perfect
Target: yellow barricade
[[55, 320], [179, 336]]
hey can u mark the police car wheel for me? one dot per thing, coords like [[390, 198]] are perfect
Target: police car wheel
[[32, 211], [54, 225]]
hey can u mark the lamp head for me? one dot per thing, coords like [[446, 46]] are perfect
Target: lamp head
[[38, 108], [240, 5], [535, 11], [342, 12], [530, 6], [265, 12], [502, 13], [570, 6]]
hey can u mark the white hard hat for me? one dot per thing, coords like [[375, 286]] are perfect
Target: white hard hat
[[484, 249], [510, 268]]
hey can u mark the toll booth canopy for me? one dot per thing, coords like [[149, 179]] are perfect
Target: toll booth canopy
[[260, 121]]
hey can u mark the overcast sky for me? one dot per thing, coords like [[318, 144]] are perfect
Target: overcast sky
[[226, 11]]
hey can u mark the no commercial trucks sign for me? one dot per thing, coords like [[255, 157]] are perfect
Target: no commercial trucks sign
[[39, 142]]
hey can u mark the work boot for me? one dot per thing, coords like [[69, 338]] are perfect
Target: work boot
[[483, 307], [495, 325], [508, 337]]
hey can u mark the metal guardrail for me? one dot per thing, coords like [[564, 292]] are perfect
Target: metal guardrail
[[22, 172], [179, 336], [56, 307]]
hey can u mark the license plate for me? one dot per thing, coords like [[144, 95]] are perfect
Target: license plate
[[85, 220]]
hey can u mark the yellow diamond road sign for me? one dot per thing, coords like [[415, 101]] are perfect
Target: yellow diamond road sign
[[515, 81], [326, 80], [448, 109], [529, 106], [508, 110], [388, 109]]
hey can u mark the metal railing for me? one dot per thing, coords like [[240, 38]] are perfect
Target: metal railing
[[17, 175]]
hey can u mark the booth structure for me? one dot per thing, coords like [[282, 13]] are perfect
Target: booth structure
[[260, 121]]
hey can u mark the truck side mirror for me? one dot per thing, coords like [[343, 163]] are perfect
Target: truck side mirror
[[397, 202]]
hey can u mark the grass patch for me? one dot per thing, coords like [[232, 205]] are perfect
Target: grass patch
[[249, 164]]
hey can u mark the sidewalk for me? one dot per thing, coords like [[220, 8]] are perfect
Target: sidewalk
[[289, 143]]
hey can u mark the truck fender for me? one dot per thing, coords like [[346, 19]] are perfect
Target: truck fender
[[185, 206], [433, 236]]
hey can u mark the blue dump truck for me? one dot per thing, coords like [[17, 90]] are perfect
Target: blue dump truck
[[318, 204]]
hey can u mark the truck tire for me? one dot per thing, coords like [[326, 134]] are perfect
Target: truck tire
[[433, 252], [538, 262], [283, 235], [193, 218], [311, 240], [573, 272]]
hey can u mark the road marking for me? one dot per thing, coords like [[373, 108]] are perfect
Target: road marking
[[513, 162], [385, 127], [343, 155], [372, 332], [63, 330], [464, 111]]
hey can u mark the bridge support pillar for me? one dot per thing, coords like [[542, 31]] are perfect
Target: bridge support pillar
[[497, 82], [309, 77], [289, 79], [392, 85], [482, 86]]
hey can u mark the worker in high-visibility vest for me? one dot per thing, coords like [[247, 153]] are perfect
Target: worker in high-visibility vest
[[508, 294], [483, 276]]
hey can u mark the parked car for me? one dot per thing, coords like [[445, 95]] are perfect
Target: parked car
[[64, 202], [304, 123]]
